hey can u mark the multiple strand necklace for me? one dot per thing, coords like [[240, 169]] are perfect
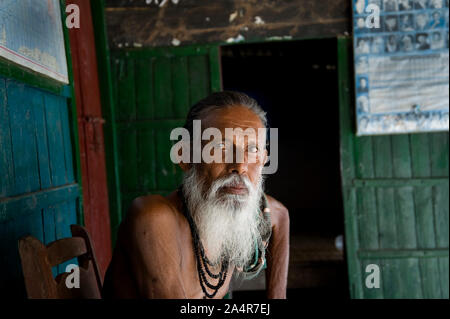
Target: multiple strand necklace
[[203, 262]]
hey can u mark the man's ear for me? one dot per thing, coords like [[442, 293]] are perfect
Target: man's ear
[[265, 157]]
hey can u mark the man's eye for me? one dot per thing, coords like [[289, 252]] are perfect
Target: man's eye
[[253, 149]]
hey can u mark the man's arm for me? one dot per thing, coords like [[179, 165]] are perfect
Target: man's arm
[[278, 251], [153, 248]]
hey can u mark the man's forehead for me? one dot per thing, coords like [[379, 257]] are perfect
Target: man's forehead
[[232, 117]]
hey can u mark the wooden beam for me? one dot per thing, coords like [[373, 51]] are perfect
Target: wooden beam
[[138, 24]]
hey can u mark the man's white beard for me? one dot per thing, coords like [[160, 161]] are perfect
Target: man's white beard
[[229, 226]]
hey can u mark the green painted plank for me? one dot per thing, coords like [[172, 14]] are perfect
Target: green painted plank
[[441, 208], [402, 253], [385, 196], [429, 273], [401, 157], [24, 150], [399, 182], [393, 287], [199, 74], [444, 280], [180, 79], [163, 88], [439, 167], [6, 157], [421, 167], [367, 218], [439, 154], [165, 169], [55, 140], [146, 159], [127, 160], [364, 158], [367, 210], [126, 106], [144, 89], [411, 278], [215, 67], [420, 155]]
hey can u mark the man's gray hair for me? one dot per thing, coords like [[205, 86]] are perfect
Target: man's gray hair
[[219, 100]]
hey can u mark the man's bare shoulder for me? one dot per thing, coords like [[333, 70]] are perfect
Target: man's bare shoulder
[[278, 211], [151, 211]]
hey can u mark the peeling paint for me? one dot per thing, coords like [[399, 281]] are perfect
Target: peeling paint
[[233, 16], [258, 20], [162, 3], [239, 38], [176, 42], [278, 38]]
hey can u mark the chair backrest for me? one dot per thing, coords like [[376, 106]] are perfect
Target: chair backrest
[[38, 260]]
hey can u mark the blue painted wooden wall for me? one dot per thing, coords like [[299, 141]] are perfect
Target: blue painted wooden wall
[[38, 191]]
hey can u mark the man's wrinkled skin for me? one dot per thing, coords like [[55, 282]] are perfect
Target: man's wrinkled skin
[[154, 255]]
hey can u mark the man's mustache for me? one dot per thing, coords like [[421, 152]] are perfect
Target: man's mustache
[[233, 180]]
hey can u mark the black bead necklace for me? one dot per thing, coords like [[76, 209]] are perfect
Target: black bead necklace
[[202, 260]]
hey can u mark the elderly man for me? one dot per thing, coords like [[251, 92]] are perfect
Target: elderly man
[[219, 221]]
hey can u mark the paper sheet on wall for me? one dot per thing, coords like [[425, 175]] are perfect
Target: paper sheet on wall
[[31, 35], [401, 66]]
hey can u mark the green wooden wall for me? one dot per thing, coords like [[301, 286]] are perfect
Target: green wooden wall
[[396, 200], [153, 90], [38, 189]]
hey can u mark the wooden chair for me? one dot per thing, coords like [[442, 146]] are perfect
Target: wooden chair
[[38, 260]]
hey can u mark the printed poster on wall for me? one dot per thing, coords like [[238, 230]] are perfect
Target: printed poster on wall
[[31, 35], [401, 50]]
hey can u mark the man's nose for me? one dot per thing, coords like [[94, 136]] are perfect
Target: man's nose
[[239, 168]]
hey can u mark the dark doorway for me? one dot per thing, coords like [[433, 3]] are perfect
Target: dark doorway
[[296, 84]]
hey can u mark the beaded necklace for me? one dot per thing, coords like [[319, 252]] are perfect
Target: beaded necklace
[[250, 271], [202, 260]]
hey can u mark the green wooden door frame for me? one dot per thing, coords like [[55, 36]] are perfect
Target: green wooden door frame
[[395, 194], [121, 125], [347, 168], [23, 75]]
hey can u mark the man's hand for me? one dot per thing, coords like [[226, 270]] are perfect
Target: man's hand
[[278, 251]]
